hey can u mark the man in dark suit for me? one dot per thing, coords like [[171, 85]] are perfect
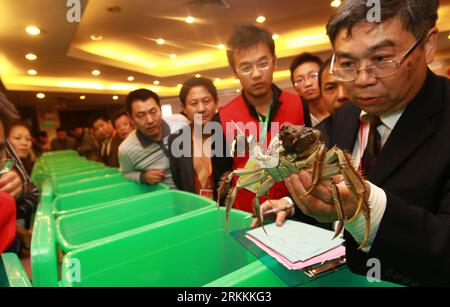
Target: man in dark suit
[[384, 67]]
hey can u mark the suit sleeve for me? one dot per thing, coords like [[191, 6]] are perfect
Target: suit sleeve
[[412, 243]]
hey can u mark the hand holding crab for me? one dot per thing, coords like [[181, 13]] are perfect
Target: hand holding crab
[[300, 151]]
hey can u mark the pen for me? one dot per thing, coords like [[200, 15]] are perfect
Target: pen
[[273, 211]]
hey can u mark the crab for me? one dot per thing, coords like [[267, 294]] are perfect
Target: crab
[[297, 148]]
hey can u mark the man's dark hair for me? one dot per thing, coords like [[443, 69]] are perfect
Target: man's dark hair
[[302, 59], [119, 115], [193, 82], [97, 116], [247, 36], [8, 112], [325, 66], [416, 16], [140, 95], [61, 129]]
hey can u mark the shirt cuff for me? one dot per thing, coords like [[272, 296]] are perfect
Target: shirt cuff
[[291, 202], [357, 227]]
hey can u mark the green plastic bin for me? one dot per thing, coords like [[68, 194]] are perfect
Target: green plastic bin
[[190, 251], [75, 230], [79, 169], [77, 176], [12, 273], [89, 183], [78, 201]]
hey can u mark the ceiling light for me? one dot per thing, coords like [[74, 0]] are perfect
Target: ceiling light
[[238, 91], [40, 95], [179, 85], [275, 36], [130, 78], [32, 72], [449, 36], [115, 97], [160, 41], [217, 80], [96, 37], [221, 46], [190, 19], [260, 19], [336, 3], [31, 57], [156, 82], [173, 56], [82, 97], [198, 76], [32, 30], [96, 72]]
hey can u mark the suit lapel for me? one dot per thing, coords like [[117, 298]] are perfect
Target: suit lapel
[[414, 127], [345, 127]]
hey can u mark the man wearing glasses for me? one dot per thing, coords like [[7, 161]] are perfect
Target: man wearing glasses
[[305, 78], [398, 130], [251, 56]]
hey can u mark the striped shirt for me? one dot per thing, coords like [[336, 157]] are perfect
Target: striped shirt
[[139, 154]]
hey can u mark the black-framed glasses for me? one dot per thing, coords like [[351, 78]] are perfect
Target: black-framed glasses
[[381, 69]]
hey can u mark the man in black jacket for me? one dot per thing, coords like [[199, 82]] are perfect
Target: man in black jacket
[[384, 66]]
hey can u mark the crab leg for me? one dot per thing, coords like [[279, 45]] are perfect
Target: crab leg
[[265, 187], [356, 186]]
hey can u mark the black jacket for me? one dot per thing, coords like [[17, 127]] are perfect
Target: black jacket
[[413, 240], [182, 168]]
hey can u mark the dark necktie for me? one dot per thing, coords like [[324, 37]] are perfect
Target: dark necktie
[[373, 145]]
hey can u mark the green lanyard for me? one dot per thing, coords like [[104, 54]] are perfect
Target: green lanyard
[[263, 134]]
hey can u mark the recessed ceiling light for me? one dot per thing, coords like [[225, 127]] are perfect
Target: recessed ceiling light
[[115, 97], [238, 91], [449, 36], [32, 72], [179, 85], [160, 41], [173, 56], [40, 95], [190, 19], [336, 3], [96, 72], [217, 80], [31, 57], [260, 19], [96, 37], [130, 78], [33, 30], [198, 76], [275, 36], [156, 82], [82, 97], [221, 46]]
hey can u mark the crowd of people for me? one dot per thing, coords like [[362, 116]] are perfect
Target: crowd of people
[[375, 98]]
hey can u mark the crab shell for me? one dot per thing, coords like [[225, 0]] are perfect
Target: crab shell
[[299, 140]]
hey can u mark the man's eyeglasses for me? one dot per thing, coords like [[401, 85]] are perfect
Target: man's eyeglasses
[[382, 69], [311, 76], [6, 165], [247, 69]]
